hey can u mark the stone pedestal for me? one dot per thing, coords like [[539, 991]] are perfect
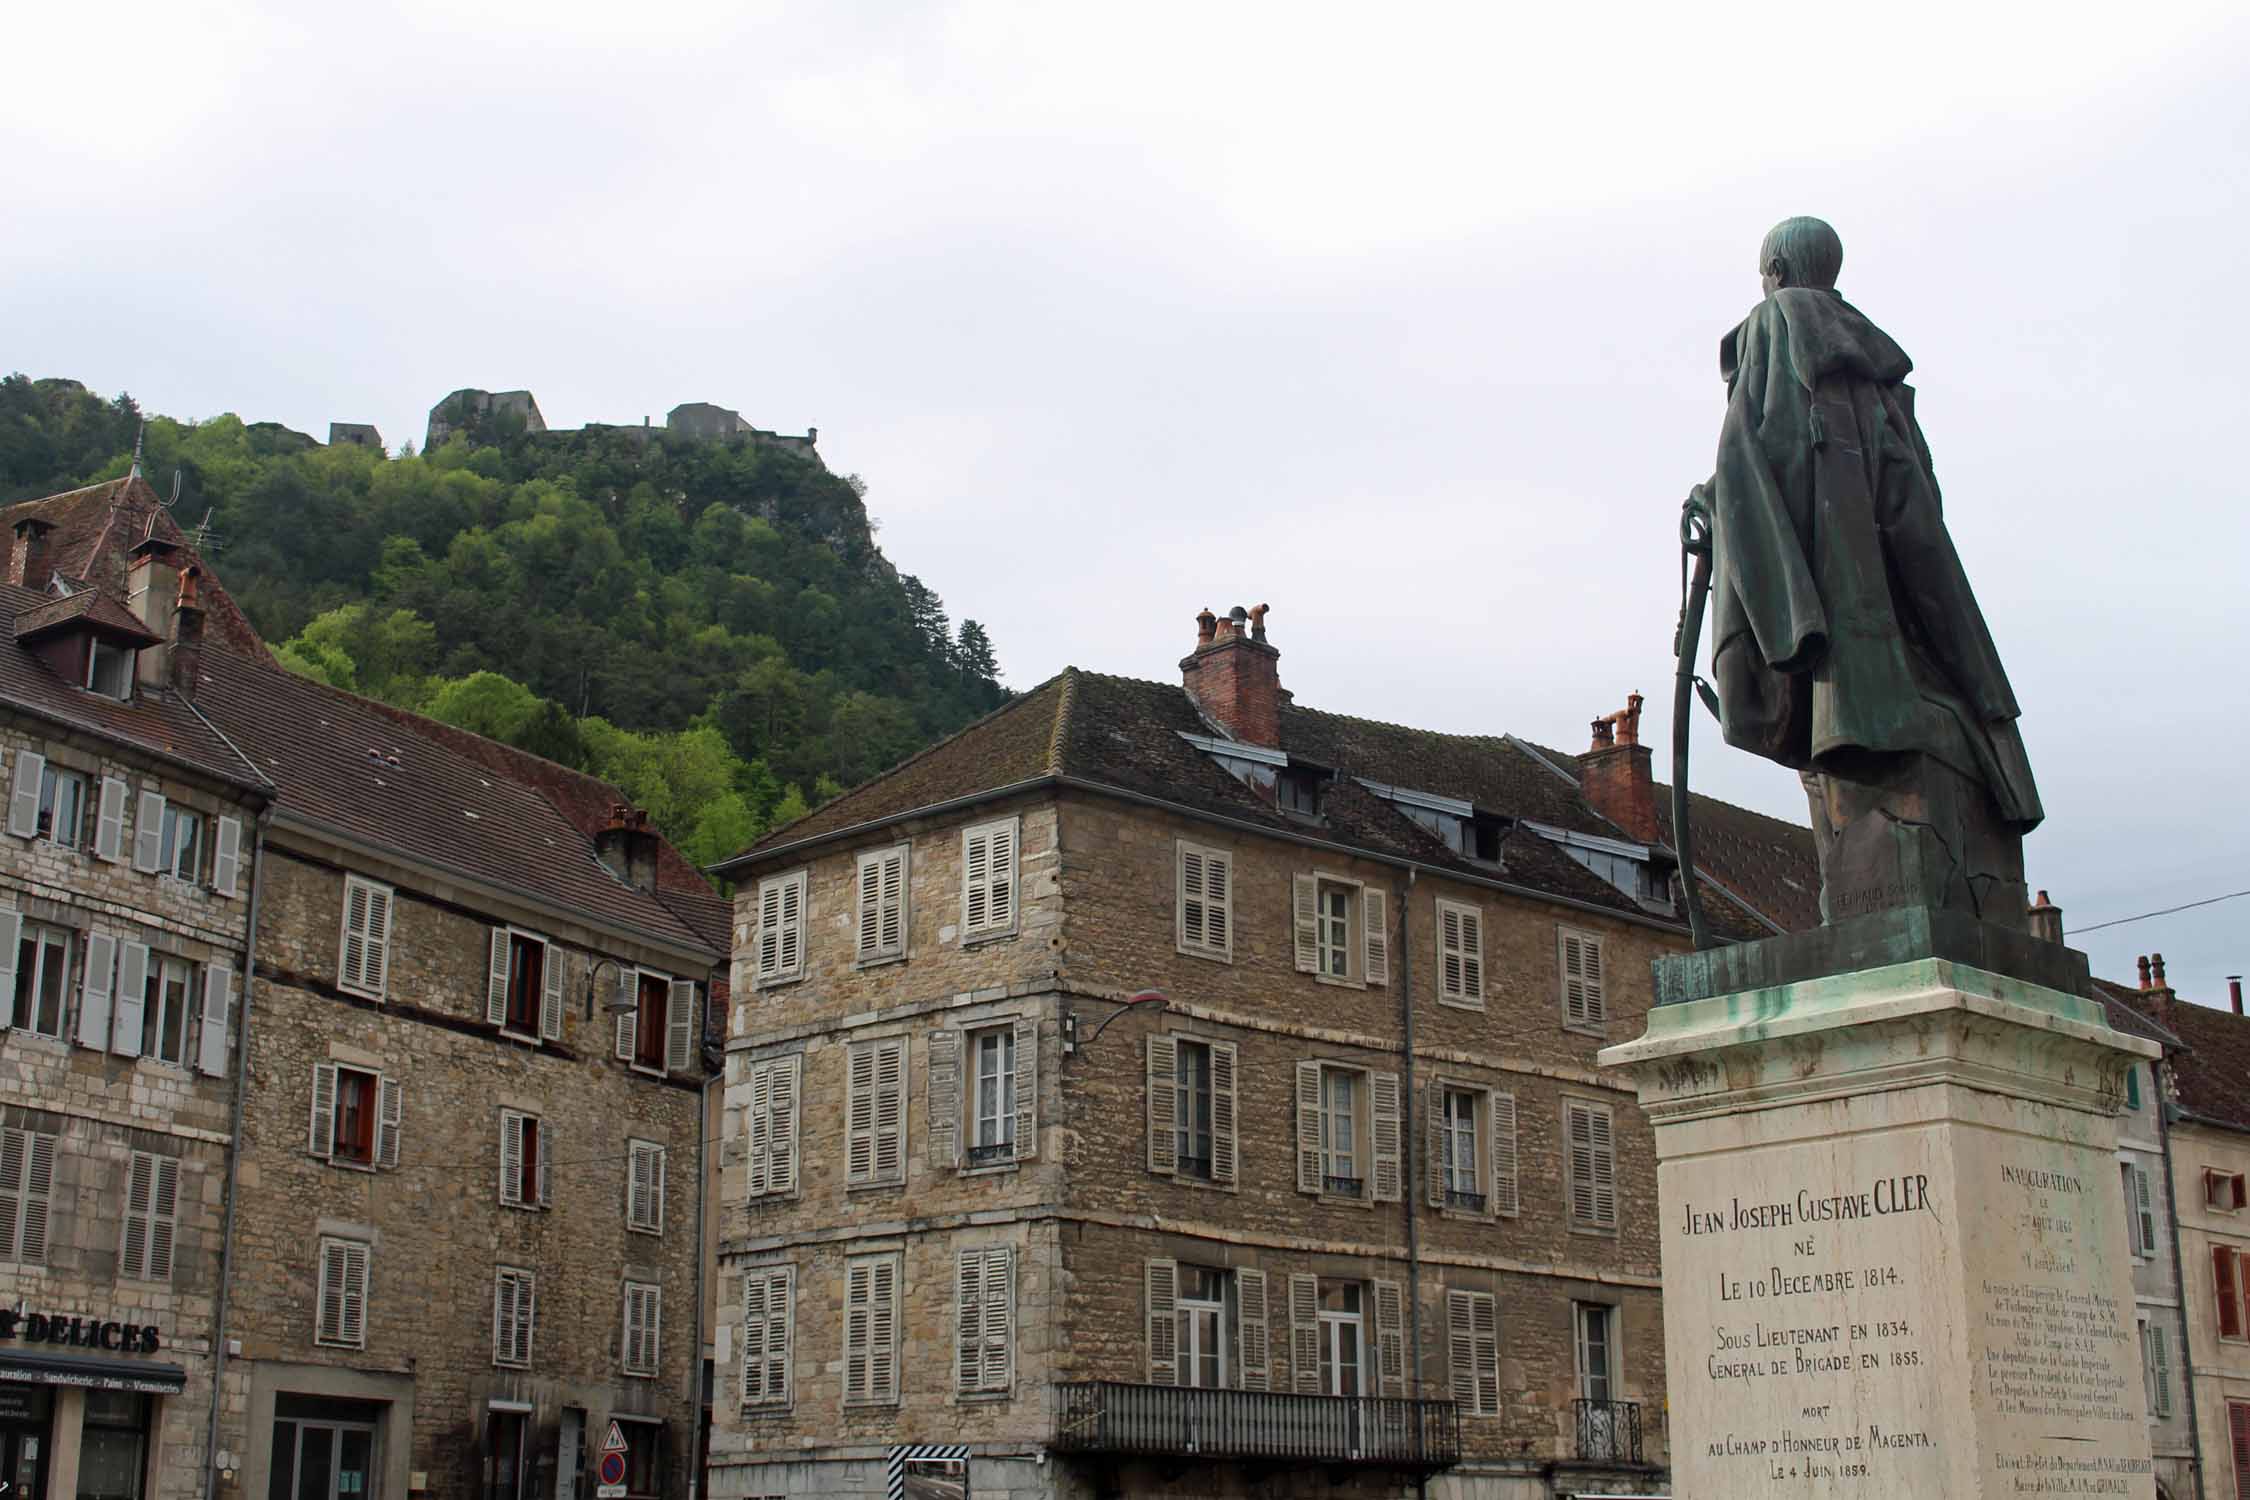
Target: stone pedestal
[[1895, 1260]]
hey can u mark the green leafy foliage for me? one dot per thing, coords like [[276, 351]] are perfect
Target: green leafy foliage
[[709, 625]]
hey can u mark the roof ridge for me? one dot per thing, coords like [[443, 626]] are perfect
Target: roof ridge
[[1057, 740], [1440, 734], [63, 494]]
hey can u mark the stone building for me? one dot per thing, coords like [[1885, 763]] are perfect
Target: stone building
[[356, 434], [124, 910], [461, 1221], [1170, 1090], [471, 410]]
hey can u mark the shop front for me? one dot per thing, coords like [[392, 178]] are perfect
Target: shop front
[[81, 1403]]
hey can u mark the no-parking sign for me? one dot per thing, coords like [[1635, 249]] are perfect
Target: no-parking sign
[[611, 1470]]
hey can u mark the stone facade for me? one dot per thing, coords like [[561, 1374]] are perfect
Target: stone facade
[[2150, 1232], [1097, 921], [118, 1104]]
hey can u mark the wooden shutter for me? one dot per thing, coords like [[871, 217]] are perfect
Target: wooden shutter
[[391, 1096], [859, 1279], [1387, 1118], [129, 1001], [226, 857], [496, 978], [1309, 1165], [1593, 1165], [511, 1318], [1461, 1350], [2227, 1292], [1223, 1113], [628, 1019], [679, 1022], [2144, 1213], [1250, 1330], [2159, 1372], [148, 833], [1162, 1281], [211, 1044], [1003, 875], [546, 1163], [943, 1095], [769, 929], [2238, 1434], [859, 1117], [23, 796], [1390, 1338], [27, 1182], [1500, 1108], [551, 969], [870, 941], [1580, 957], [1163, 1104], [883, 1330], [1484, 1318], [365, 956], [781, 1132], [1304, 901], [511, 1158], [983, 1295], [1027, 1087], [768, 1312], [644, 1325], [1375, 926], [140, 1189], [882, 903], [1460, 953], [163, 1218], [644, 1188], [1195, 932], [343, 1294], [321, 1140], [758, 1127], [1434, 1142], [109, 821], [94, 993], [890, 1110], [988, 878], [1304, 1334], [14, 1151], [792, 944], [11, 937], [1205, 880]]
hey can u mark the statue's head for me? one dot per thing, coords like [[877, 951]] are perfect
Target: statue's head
[[1800, 252]]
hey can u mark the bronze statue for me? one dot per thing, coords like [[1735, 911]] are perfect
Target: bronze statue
[[1845, 640]]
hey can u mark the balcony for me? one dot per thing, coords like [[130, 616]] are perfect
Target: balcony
[[1609, 1432], [1162, 1421]]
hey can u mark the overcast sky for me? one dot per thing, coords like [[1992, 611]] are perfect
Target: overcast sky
[[1402, 319]]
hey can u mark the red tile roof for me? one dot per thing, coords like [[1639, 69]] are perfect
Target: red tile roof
[[2212, 1062], [95, 530], [97, 610]]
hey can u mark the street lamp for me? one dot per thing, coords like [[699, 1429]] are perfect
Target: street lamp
[[1154, 999], [616, 1006]]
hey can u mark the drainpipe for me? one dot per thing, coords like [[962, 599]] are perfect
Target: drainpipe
[[1411, 1189], [234, 1161], [2179, 1275], [702, 1195]]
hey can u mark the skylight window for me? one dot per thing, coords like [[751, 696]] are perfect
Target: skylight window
[[109, 669]]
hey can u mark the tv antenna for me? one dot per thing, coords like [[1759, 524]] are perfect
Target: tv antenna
[[206, 540]]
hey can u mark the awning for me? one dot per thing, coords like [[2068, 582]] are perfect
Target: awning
[[94, 1374]]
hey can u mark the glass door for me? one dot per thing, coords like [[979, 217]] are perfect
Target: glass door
[[322, 1461], [22, 1466]]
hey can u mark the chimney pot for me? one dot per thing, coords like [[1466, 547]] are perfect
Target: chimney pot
[[185, 666], [2156, 967], [2144, 971], [28, 562], [2045, 920], [1235, 679], [2234, 992]]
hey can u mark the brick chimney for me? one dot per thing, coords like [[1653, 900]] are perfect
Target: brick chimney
[[2046, 920], [1615, 773], [627, 845], [186, 649], [2156, 990], [152, 589], [28, 561], [1235, 677], [2234, 992]]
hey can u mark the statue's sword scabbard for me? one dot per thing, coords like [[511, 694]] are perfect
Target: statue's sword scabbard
[[1695, 588]]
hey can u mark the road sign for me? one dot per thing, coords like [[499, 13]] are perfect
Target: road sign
[[615, 1442], [612, 1467]]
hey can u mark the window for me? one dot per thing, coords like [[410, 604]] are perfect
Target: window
[[781, 928], [992, 1095], [871, 1330], [524, 985], [644, 1187], [109, 821], [1460, 933], [2156, 1369], [985, 1298], [988, 879], [355, 1116], [1204, 892], [772, 1125], [1206, 1327], [165, 1001], [644, 1327], [875, 1114], [882, 905], [1298, 792], [152, 1200], [769, 1302], [2223, 1191], [341, 1319], [515, 1306], [1588, 1131], [1348, 1132], [658, 1034], [1472, 1351], [1464, 1179], [182, 854], [1204, 1323], [1595, 1324], [1630, 873], [525, 1153], [1342, 1325], [2140, 1215], [365, 957], [1191, 1108], [2238, 1437], [42, 969], [113, 1445], [1472, 1150], [1579, 960], [62, 806], [2226, 1285], [1342, 932], [2133, 1086], [27, 1185], [644, 1457], [109, 669]]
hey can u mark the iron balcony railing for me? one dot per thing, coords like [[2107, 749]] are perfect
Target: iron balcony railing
[[1156, 1421], [1609, 1432]]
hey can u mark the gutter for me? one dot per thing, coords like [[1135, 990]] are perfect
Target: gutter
[[1416, 1170], [234, 1162], [702, 1194], [195, 770], [727, 868], [709, 957]]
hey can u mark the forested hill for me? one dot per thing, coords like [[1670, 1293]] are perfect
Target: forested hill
[[711, 626]]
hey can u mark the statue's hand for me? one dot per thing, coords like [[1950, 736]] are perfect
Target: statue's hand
[[1695, 522]]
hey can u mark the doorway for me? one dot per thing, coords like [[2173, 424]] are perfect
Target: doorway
[[24, 1413], [322, 1461]]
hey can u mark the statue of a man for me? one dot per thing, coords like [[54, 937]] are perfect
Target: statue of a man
[[1845, 640]]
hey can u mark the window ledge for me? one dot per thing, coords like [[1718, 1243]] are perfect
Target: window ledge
[[778, 982], [1335, 1200], [1463, 1216], [349, 1166], [506, 1034], [1215, 957], [361, 992], [766, 1413], [866, 1403], [978, 940], [1343, 984], [1457, 1003], [990, 1168], [646, 1071], [983, 1398], [654, 1234], [1206, 1184], [875, 1187], [179, 1068], [878, 961], [1596, 1029], [55, 1043], [1595, 1231]]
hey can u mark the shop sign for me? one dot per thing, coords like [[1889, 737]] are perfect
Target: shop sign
[[76, 1331]]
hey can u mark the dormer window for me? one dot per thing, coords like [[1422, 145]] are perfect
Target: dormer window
[[109, 669], [1298, 791]]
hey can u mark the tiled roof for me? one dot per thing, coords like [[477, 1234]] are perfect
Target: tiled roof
[[95, 529], [2212, 1065], [91, 605], [2121, 1001], [1125, 734], [156, 720]]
